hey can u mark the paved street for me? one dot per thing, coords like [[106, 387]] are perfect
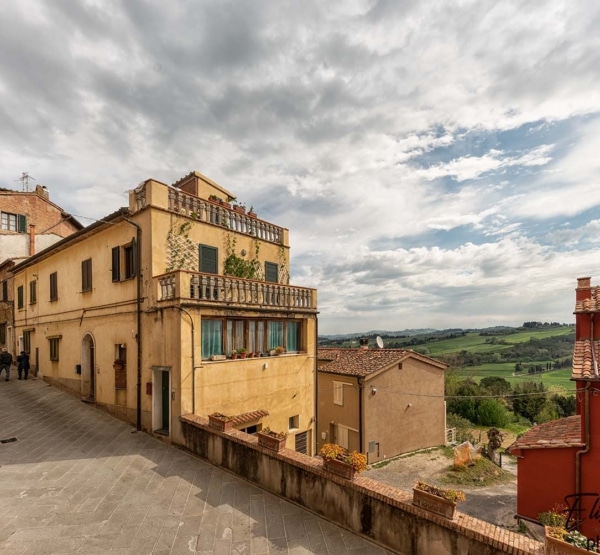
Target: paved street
[[77, 480]]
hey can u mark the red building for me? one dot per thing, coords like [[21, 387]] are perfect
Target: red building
[[559, 462]]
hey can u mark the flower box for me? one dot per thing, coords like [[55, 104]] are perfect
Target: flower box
[[220, 422], [341, 468], [271, 441], [554, 546], [434, 503]]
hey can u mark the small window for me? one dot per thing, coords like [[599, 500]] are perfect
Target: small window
[[120, 366], [124, 262], [54, 286], [208, 259], [116, 263], [271, 272], [129, 261], [86, 275], [5, 290], [211, 332], [3, 333], [338, 393], [33, 292], [294, 422], [20, 297], [54, 343]]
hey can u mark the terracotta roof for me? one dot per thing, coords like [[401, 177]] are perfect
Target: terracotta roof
[[249, 416], [565, 432], [590, 305], [362, 362], [583, 361]]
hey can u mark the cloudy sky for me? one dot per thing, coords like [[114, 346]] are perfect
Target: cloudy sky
[[437, 162]]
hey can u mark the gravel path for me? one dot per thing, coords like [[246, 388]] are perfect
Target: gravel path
[[496, 504]]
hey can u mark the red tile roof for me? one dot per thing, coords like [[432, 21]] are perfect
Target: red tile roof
[[590, 305], [249, 416], [565, 432], [362, 362], [583, 360]]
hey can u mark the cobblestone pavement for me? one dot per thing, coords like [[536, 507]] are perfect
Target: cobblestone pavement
[[76, 480]]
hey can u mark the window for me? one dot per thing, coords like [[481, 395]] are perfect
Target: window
[[209, 259], [86, 275], [27, 341], [3, 333], [33, 292], [14, 222], [294, 422], [338, 393], [20, 297], [54, 286], [225, 335], [124, 262], [5, 290], [212, 338], [271, 272], [54, 342], [120, 366]]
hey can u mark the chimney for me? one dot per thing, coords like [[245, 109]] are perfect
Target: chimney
[[42, 191]]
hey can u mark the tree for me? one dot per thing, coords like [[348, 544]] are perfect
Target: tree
[[492, 413], [495, 385], [528, 400]]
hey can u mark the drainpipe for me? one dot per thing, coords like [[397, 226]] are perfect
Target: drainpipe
[[316, 390], [138, 272], [586, 409], [361, 420]]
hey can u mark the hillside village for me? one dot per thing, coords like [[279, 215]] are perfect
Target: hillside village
[[176, 315]]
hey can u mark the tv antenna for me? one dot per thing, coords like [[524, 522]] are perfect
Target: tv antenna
[[24, 179], [379, 342]]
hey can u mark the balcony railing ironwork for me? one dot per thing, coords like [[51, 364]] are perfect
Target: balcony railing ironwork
[[210, 212], [231, 290]]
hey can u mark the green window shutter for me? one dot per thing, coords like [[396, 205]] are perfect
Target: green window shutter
[[208, 259], [20, 296], [22, 223], [116, 263], [271, 272]]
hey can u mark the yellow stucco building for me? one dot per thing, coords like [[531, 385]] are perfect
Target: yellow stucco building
[[177, 304]]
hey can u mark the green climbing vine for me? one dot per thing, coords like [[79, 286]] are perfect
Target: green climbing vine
[[182, 253], [237, 266]]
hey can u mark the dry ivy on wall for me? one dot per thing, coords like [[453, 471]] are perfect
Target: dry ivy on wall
[[182, 252]]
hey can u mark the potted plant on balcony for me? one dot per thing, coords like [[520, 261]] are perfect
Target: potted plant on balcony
[[561, 537], [239, 207], [271, 440], [251, 212], [279, 350], [340, 461], [242, 352], [437, 500], [220, 421]]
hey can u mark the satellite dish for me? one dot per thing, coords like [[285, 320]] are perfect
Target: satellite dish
[[379, 342]]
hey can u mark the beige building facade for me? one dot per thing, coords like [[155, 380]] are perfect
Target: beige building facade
[[175, 305], [382, 402]]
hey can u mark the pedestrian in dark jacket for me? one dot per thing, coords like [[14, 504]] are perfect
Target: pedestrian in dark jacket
[[5, 362], [23, 365]]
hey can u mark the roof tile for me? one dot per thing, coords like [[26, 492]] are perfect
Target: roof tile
[[565, 432]]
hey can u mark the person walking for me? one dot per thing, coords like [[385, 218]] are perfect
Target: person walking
[[5, 362], [23, 365]]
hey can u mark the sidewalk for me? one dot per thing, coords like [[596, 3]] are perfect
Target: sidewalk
[[76, 480]]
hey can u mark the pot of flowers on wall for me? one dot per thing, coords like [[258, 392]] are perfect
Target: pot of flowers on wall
[[561, 538], [437, 500], [271, 440], [340, 461], [220, 422]]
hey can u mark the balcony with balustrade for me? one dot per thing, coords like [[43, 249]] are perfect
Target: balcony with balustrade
[[231, 292]]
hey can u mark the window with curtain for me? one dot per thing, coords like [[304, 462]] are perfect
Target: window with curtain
[[276, 335], [212, 338], [293, 334]]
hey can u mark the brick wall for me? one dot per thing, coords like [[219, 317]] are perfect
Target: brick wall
[[379, 512]]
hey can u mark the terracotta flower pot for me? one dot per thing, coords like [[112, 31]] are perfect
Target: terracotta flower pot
[[271, 442], [340, 468], [554, 546], [434, 504], [221, 423]]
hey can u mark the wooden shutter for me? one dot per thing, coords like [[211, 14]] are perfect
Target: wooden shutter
[[271, 272], [5, 290], [20, 296], [208, 259], [134, 256], [53, 286], [21, 223], [116, 263], [86, 275]]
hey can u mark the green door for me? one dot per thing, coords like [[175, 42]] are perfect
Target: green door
[[165, 401]]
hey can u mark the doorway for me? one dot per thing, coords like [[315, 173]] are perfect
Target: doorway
[[161, 402], [88, 380]]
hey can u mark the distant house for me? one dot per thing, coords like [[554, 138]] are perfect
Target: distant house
[[382, 402], [558, 462], [29, 222]]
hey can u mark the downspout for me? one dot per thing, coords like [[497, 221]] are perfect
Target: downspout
[[360, 415], [316, 391], [586, 449], [193, 358], [139, 321]]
